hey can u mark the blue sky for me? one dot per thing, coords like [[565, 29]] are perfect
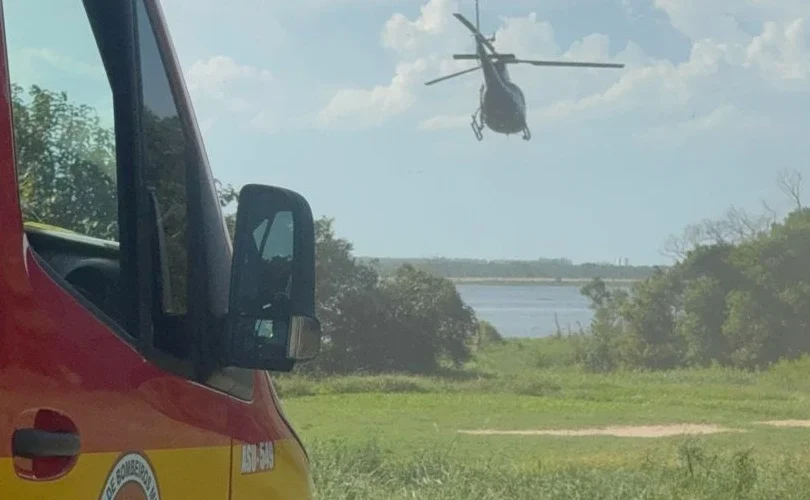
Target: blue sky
[[326, 97]]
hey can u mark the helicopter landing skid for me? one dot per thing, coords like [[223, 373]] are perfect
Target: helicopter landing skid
[[477, 125]]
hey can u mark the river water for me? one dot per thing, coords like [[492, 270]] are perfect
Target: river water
[[528, 310]]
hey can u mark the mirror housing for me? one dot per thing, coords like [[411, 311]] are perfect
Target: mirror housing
[[271, 321]]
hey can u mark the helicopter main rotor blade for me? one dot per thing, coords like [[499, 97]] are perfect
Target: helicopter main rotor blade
[[564, 63], [475, 56], [453, 75], [481, 38]]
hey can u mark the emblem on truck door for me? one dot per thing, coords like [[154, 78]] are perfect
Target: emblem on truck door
[[257, 457], [131, 478]]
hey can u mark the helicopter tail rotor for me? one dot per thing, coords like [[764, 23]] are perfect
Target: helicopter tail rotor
[[477, 34]]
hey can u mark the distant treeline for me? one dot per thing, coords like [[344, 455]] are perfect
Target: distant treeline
[[541, 268]]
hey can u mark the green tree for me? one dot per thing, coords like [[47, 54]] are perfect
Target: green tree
[[708, 277], [347, 305], [65, 163], [165, 177], [410, 322], [447, 324], [227, 194]]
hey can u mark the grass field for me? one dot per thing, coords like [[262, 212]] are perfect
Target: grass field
[[397, 437]]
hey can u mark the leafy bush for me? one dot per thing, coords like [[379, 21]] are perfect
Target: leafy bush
[[410, 322]]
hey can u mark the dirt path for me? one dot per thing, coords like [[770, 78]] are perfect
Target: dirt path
[[785, 423], [635, 431]]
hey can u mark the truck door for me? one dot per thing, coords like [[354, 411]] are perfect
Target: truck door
[[268, 459], [97, 351]]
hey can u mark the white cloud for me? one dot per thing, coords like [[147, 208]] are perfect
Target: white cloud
[[222, 85], [360, 107], [719, 79], [402, 34], [527, 36], [700, 19], [782, 52], [723, 20], [215, 77], [419, 43]]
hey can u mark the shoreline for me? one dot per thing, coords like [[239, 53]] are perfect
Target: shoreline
[[540, 281]]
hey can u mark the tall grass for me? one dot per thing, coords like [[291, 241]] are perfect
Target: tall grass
[[546, 367], [345, 470], [537, 383]]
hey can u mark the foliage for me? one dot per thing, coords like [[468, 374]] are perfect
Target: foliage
[[741, 302], [227, 194], [65, 163], [165, 178], [410, 322], [363, 468]]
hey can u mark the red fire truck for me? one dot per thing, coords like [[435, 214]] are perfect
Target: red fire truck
[[137, 338]]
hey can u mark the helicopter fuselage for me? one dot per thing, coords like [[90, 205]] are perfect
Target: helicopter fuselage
[[503, 105]]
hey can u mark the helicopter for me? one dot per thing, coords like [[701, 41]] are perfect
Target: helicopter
[[502, 105]]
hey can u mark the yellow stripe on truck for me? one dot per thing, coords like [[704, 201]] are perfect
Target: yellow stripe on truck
[[198, 473], [286, 475], [193, 473]]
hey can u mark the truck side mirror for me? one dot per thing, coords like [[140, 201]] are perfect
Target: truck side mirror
[[271, 314]]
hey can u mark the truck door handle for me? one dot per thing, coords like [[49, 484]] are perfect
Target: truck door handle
[[35, 443]]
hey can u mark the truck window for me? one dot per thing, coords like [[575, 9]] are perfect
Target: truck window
[[166, 165], [63, 119], [166, 169], [64, 136]]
